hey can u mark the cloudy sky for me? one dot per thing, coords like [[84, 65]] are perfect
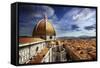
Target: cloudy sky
[[67, 21]]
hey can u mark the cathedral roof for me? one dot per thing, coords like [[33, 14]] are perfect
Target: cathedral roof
[[25, 40], [43, 28]]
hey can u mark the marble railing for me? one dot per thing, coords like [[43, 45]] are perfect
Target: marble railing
[[26, 52]]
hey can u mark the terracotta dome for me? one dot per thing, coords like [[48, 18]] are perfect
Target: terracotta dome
[[44, 28]]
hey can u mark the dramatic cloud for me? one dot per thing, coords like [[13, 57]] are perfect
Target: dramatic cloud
[[92, 27], [77, 19], [29, 15], [74, 27], [36, 10], [67, 21]]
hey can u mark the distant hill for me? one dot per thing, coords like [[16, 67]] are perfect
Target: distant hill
[[80, 37], [25, 36]]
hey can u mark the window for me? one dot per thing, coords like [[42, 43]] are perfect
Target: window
[[50, 37], [37, 49]]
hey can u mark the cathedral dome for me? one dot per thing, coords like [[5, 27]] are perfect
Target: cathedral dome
[[44, 28]]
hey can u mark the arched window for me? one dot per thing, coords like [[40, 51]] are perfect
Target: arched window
[[50, 37], [37, 49]]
